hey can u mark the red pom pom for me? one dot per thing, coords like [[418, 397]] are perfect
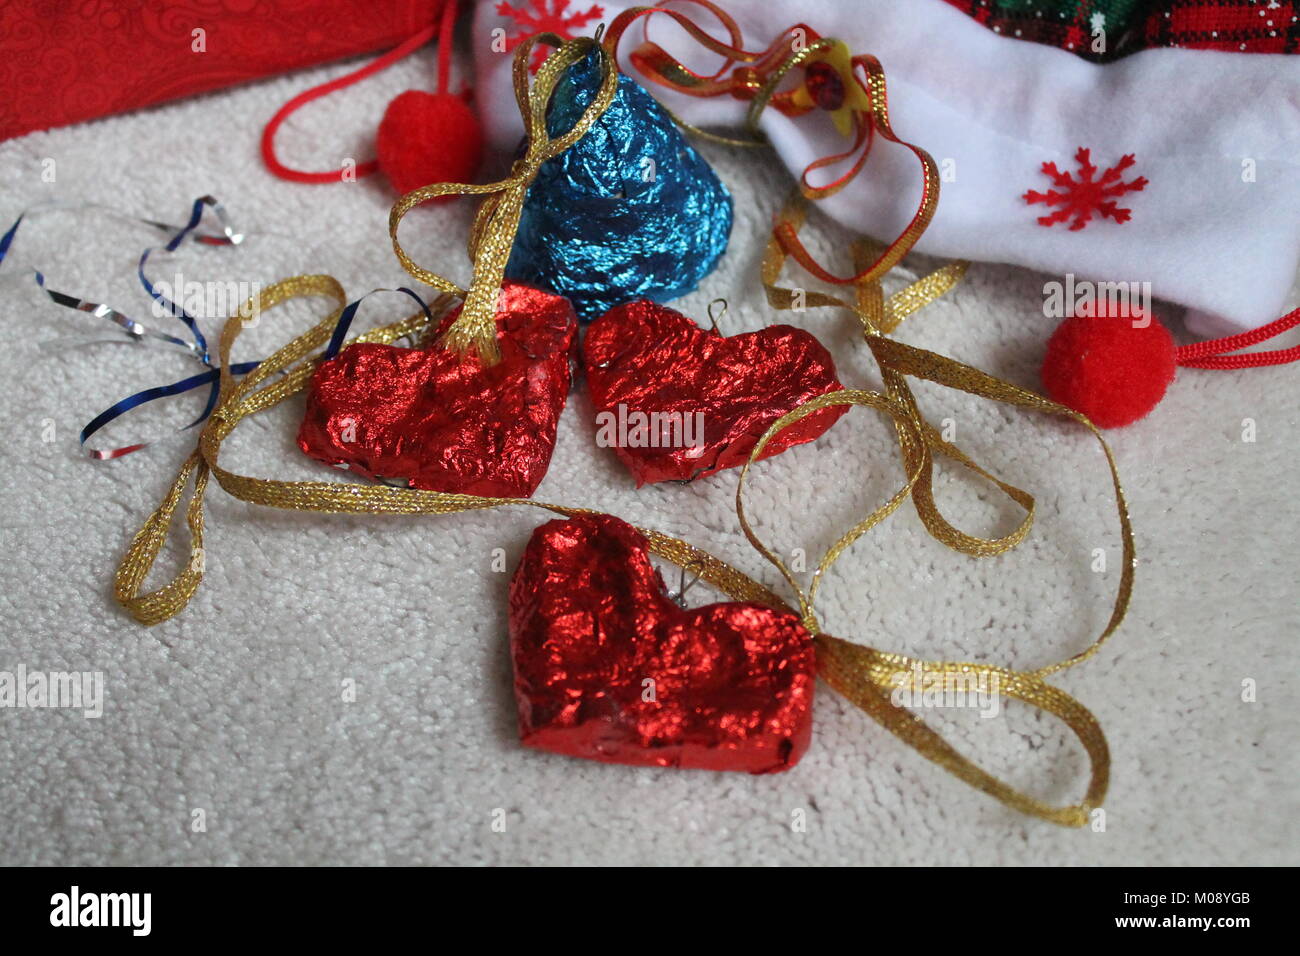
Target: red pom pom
[[1113, 368], [429, 138]]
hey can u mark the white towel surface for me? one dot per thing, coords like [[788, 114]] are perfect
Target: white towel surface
[[237, 708]]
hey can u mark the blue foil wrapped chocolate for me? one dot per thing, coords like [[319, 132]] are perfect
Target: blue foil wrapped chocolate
[[630, 211]]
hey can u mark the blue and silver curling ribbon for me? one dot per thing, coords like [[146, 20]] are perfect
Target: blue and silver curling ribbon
[[212, 378], [630, 211], [138, 332]]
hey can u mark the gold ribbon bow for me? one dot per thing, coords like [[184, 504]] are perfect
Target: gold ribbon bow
[[497, 219]]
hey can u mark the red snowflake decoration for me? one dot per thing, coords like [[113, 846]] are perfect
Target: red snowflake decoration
[[557, 19], [1083, 197]]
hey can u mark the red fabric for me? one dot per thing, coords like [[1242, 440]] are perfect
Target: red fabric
[[63, 62]]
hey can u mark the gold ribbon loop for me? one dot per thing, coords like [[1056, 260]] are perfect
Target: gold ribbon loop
[[236, 400], [902, 360], [905, 421], [868, 677], [157, 606], [497, 219]]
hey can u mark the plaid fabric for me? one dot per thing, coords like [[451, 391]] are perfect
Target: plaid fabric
[[1262, 26], [1251, 26]]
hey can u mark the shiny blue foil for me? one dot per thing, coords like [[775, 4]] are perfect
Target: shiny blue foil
[[630, 211]]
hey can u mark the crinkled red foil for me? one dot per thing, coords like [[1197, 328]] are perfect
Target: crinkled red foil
[[591, 626], [443, 421], [651, 359]]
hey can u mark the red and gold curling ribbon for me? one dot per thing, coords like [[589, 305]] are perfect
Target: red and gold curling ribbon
[[744, 83], [757, 77]]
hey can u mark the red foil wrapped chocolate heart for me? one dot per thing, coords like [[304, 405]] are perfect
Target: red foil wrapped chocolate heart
[[444, 421], [678, 402], [608, 668]]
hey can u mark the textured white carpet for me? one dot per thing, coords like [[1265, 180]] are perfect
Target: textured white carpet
[[236, 707]]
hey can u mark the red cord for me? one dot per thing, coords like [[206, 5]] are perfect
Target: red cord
[[444, 31], [1211, 354]]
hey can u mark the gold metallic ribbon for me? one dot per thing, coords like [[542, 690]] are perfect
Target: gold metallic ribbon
[[497, 219], [864, 675]]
